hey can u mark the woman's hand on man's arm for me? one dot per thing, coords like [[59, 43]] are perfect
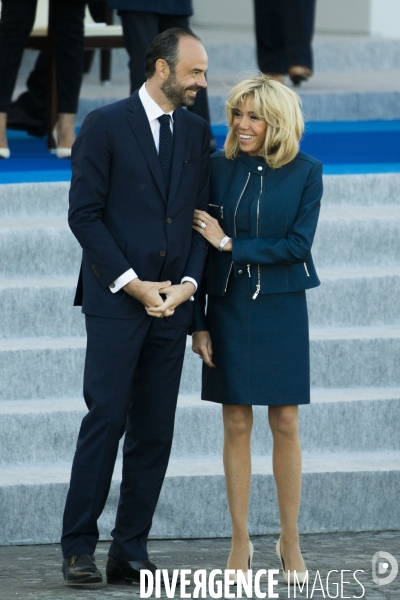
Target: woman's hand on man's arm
[[202, 345], [212, 231]]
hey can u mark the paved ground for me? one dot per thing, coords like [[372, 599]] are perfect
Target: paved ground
[[33, 572]]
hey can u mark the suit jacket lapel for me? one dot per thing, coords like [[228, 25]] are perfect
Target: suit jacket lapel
[[178, 151], [141, 128]]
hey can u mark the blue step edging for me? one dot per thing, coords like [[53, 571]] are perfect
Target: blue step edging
[[344, 147]]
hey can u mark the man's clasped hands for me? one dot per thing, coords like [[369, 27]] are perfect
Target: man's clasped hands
[[160, 298]]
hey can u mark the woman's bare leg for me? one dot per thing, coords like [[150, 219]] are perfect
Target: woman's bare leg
[[66, 130], [3, 125], [286, 460], [238, 422]]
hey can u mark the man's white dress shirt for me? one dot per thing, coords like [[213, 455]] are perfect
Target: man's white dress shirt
[[153, 111]]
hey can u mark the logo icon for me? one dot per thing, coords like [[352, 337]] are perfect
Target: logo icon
[[384, 563]]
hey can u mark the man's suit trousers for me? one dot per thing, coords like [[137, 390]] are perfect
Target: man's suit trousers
[[131, 382], [284, 30]]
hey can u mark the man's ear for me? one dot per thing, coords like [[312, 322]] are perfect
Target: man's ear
[[162, 69]]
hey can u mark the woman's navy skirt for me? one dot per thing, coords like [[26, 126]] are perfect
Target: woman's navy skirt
[[261, 347]]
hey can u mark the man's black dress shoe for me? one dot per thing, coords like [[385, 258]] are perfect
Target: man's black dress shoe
[[81, 569], [123, 571]]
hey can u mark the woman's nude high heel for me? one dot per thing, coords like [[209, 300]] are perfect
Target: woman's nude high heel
[[60, 151], [233, 576], [300, 576]]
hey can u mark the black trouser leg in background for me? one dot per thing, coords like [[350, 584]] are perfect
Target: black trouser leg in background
[[284, 30], [34, 100], [270, 38], [69, 44], [17, 18]]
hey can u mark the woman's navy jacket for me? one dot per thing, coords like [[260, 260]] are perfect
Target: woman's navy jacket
[[283, 224], [164, 7]]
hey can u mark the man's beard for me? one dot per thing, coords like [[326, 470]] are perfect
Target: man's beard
[[176, 93]]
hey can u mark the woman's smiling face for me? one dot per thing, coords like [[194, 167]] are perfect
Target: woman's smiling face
[[249, 128]]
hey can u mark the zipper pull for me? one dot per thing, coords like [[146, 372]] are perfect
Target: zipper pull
[[248, 270], [221, 210], [256, 292]]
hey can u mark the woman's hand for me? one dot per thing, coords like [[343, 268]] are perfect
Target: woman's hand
[[202, 345], [213, 232]]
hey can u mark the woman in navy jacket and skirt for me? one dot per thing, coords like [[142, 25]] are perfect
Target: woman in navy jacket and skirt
[[253, 337]]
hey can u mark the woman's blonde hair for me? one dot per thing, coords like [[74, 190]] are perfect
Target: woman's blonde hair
[[279, 107]]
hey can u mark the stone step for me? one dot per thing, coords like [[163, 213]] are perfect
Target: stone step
[[368, 189], [339, 494], [339, 301], [337, 420], [50, 199], [362, 236], [318, 105], [230, 49], [43, 306], [356, 235], [51, 247], [332, 54], [34, 200], [340, 357], [40, 307], [339, 96]]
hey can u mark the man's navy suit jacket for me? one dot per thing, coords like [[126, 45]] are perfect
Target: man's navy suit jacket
[[165, 7], [119, 211]]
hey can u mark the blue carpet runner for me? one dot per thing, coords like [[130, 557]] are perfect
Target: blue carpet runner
[[343, 147]]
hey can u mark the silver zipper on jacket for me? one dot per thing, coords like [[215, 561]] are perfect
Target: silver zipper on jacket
[[221, 209], [258, 286], [305, 266], [234, 224]]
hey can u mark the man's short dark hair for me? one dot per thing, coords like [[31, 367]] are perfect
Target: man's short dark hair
[[166, 46]]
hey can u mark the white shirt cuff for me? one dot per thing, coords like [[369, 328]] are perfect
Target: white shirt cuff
[[122, 280], [191, 281]]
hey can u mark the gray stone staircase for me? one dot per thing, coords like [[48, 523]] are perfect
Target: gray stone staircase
[[349, 433], [356, 77]]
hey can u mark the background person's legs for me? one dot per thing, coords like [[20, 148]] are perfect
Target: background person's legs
[[299, 30], [17, 18], [270, 36], [28, 112], [67, 25]]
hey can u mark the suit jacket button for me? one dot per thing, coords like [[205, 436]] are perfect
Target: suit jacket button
[[169, 220], [162, 253], [112, 285], [240, 271]]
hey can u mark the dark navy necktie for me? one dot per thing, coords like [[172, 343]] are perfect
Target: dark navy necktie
[[165, 149]]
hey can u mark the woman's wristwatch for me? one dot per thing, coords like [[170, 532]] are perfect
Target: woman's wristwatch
[[223, 243]]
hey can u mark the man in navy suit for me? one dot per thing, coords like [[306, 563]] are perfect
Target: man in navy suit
[[139, 169]]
